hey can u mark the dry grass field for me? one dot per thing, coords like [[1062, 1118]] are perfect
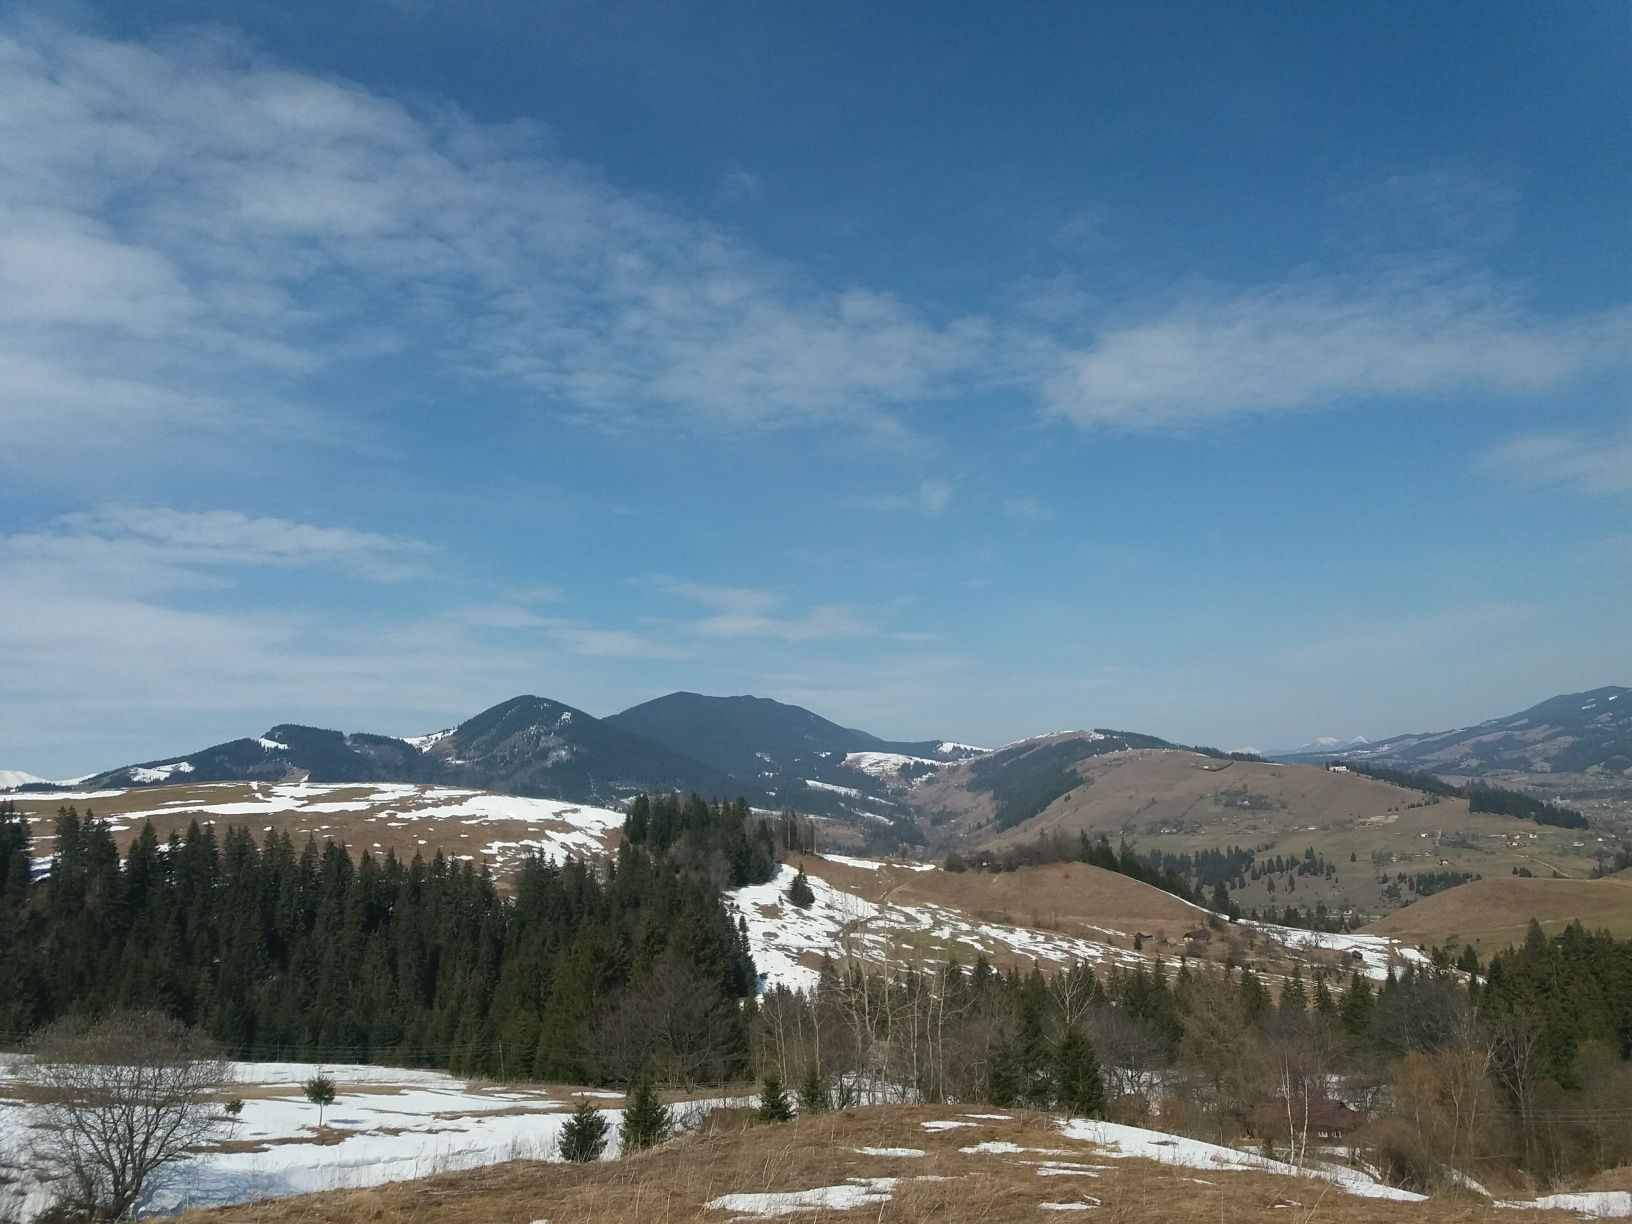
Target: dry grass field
[[1491, 914], [1060, 896], [1027, 1171]]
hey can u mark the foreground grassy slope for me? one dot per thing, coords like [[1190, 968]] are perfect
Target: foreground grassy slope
[[1491, 914], [1182, 801], [950, 1182]]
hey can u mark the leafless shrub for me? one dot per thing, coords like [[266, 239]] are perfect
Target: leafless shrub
[[121, 1102]]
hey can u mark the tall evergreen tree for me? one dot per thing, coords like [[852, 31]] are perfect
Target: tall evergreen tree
[[1079, 1089]]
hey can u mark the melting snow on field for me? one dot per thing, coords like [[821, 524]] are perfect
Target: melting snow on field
[[555, 829], [1115, 1140], [858, 1192], [1592, 1204], [1375, 951], [393, 1124], [787, 941]]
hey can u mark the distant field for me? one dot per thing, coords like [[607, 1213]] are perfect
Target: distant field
[[478, 826], [1179, 801], [1491, 914]]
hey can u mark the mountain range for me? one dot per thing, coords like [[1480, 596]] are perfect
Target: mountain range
[[773, 754], [778, 755], [1575, 733]]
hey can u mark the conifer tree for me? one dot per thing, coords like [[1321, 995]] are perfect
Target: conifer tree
[[646, 1121], [1078, 1088], [799, 892], [1356, 1007], [583, 1138], [774, 1105], [1003, 1076], [813, 1095]]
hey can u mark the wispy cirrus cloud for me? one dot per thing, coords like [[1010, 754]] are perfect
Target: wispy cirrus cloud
[[160, 545], [748, 612], [1323, 342], [192, 232], [198, 235], [1597, 464]]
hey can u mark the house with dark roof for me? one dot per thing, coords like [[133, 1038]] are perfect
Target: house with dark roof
[[1318, 1118]]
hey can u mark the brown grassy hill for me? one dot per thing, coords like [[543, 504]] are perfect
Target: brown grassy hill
[[1055, 897], [1491, 914], [1178, 801], [992, 1168]]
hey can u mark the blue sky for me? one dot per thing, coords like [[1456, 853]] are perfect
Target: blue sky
[[1236, 373]]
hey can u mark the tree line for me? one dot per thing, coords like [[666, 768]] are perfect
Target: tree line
[[1456, 1065], [630, 968], [1481, 796]]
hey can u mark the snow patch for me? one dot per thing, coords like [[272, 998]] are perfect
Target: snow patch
[[1135, 1141], [1590, 1205], [423, 742], [158, 773], [859, 1192]]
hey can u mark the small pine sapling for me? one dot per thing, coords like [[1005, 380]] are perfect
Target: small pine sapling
[[646, 1122], [813, 1095], [583, 1138], [774, 1105]]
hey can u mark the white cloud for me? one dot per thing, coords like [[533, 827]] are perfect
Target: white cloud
[[1601, 465], [591, 642], [1320, 343], [931, 497], [190, 232], [1030, 509], [155, 546], [747, 612]]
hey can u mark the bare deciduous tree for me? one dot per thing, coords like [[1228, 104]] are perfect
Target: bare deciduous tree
[[120, 1102], [672, 1024]]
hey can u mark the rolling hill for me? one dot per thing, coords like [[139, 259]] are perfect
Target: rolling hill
[[1491, 914], [1574, 749], [1308, 834]]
